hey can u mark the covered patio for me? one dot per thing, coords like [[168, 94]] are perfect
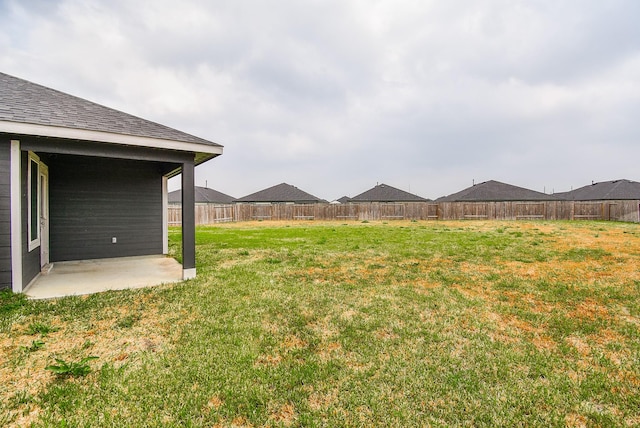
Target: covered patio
[[83, 189], [80, 277]]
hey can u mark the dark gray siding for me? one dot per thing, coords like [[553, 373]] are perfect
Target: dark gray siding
[[93, 200], [5, 215], [30, 260]]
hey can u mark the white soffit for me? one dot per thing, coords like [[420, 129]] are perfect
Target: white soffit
[[106, 137]]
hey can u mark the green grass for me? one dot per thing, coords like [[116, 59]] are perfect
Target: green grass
[[359, 324], [40, 328]]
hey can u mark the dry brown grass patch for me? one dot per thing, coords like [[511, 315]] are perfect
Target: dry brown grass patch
[[322, 401], [265, 360], [511, 329], [329, 350], [285, 414], [583, 348], [240, 422], [424, 285], [575, 420], [544, 343], [215, 402], [385, 334], [293, 342], [589, 309]]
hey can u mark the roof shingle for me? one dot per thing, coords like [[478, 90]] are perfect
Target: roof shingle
[[385, 193], [607, 190], [281, 193], [25, 102], [203, 195], [494, 191]]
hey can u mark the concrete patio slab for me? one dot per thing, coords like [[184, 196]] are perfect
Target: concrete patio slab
[[93, 276]]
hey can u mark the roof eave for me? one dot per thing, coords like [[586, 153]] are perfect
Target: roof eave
[[199, 159], [204, 152]]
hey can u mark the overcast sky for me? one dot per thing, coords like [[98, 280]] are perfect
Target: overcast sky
[[336, 96]]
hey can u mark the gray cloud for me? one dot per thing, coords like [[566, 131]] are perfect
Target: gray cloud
[[335, 96]]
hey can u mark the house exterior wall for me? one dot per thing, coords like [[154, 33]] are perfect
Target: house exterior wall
[[5, 215], [93, 200]]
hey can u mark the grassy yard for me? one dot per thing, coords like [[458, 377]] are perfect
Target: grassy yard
[[359, 324]]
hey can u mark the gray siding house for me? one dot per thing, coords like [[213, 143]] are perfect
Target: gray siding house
[[385, 193], [282, 193], [203, 195], [82, 181], [613, 190], [496, 191], [611, 200]]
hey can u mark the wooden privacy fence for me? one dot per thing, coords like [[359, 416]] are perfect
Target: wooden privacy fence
[[205, 214], [622, 210]]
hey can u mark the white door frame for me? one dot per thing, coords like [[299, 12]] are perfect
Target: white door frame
[[44, 215]]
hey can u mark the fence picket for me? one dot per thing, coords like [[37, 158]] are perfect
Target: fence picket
[[620, 210]]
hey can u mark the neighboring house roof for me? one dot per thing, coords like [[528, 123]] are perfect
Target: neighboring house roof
[[343, 200], [203, 195], [385, 193], [606, 190], [281, 193], [492, 191], [30, 109]]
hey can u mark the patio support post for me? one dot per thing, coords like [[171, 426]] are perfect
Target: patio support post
[[16, 217], [165, 215], [188, 222]]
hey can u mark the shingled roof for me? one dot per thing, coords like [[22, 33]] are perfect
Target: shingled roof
[[203, 195], [494, 191], [606, 190], [31, 109], [281, 193], [385, 193]]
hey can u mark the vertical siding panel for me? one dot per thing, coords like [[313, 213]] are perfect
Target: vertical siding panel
[[5, 214]]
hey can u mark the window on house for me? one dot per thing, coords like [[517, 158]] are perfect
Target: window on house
[[33, 197]]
